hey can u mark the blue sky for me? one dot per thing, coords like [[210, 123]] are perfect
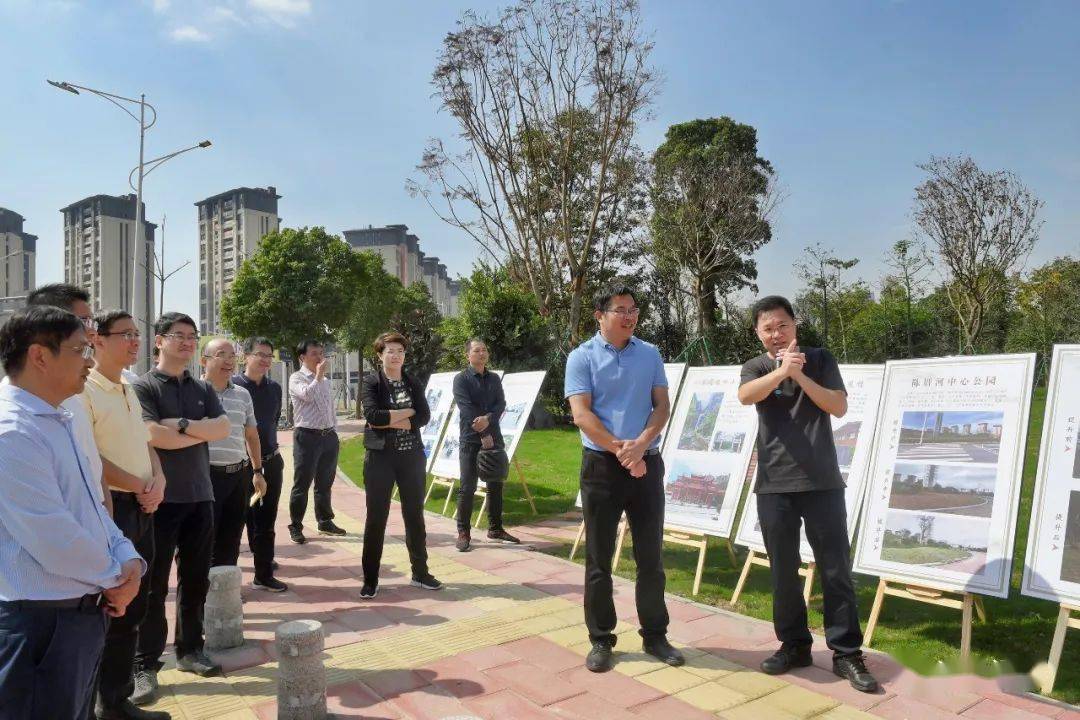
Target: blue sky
[[331, 103]]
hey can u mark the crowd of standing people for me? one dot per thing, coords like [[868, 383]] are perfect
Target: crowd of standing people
[[108, 480]]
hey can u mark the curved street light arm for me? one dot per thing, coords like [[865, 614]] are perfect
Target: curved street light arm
[[111, 97], [150, 165]]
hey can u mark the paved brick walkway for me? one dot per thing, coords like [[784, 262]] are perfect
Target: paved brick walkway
[[505, 640]]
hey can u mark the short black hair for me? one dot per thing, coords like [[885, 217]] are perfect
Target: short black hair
[[768, 303], [252, 342], [165, 323], [61, 295], [46, 325], [106, 319], [603, 297], [470, 341], [304, 345]]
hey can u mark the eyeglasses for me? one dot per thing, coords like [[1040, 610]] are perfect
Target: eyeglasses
[[262, 355], [85, 350], [625, 312], [89, 323], [128, 335], [181, 338]]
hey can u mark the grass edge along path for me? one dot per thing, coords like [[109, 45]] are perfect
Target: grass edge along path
[[926, 638]]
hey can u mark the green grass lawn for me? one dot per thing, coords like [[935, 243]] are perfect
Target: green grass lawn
[[1016, 635], [922, 555]]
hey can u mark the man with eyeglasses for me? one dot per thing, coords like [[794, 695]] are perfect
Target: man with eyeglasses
[[76, 301], [64, 565], [236, 461], [617, 390], [137, 487], [183, 414], [266, 397], [315, 441]]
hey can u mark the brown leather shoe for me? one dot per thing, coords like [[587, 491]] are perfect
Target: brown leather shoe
[[464, 541]]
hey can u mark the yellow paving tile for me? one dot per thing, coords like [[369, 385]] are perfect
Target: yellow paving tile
[[797, 701], [711, 667], [670, 680], [755, 710], [634, 663], [751, 683], [846, 712], [567, 636], [712, 697]]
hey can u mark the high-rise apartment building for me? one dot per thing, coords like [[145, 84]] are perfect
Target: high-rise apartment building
[[231, 224], [402, 258], [18, 250], [99, 255]]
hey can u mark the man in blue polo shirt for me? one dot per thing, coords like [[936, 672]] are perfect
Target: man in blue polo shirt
[[618, 394]]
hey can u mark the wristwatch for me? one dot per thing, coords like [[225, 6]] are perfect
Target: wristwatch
[[181, 425], [257, 471]]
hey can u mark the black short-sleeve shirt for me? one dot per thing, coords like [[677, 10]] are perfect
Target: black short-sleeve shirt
[[795, 445], [163, 396]]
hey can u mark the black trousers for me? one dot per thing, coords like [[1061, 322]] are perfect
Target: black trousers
[[232, 491], [261, 518], [184, 531], [467, 490], [49, 658], [116, 676], [315, 456], [607, 490], [382, 470], [824, 513]]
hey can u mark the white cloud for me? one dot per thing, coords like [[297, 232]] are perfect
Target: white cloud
[[221, 13], [282, 12], [161, 6], [189, 33]]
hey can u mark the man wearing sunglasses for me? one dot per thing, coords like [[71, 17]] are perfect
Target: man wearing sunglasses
[[183, 414]]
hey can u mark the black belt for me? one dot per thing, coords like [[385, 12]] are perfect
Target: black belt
[[229, 469], [650, 451], [320, 431], [86, 603], [270, 456]]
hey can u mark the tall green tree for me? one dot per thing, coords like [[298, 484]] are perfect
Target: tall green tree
[[1047, 311], [373, 305], [712, 196], [502, 313], [298, 283], [417, 318]]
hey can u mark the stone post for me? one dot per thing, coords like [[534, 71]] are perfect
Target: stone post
[[223, 619], [301, 675]]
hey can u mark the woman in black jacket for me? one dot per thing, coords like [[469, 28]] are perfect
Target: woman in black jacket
[[395, 409]]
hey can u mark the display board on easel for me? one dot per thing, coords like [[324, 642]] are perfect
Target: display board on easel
[[944, 481], [852, 436], [440, 399], [445, 463], [1052, 566]]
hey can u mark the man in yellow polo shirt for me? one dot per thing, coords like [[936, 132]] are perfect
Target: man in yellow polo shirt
[[137, 489]]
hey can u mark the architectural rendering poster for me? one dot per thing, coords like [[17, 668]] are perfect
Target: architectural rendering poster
[[674, 373], [440, 398], [852, 435], [944, 480], [521, 390], [445, 464], [1052, 570], [707, 451]]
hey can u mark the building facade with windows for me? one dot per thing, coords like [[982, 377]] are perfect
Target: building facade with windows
[[231, 225], [19, 252]]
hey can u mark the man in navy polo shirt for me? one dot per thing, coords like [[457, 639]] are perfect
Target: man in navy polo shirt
[[618, 394]]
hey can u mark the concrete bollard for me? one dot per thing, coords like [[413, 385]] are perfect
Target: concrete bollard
[[301, 675], [223, 617]]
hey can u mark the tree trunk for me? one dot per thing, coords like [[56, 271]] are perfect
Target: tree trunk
[[705, 296]]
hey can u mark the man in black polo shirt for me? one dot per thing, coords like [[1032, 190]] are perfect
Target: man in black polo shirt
[[478, 393], [266, 395], [183, 414], [798, 480]]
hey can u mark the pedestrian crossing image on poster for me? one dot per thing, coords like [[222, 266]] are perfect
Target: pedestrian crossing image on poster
[[950, 436]]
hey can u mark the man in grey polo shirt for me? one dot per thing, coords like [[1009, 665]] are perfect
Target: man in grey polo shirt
[[617, 390], [232, 472]]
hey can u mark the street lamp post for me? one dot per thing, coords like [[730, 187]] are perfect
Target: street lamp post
[[139, 255]]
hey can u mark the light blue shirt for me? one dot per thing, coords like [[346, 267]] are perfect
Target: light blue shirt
[[620, 382], [56, 539]]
